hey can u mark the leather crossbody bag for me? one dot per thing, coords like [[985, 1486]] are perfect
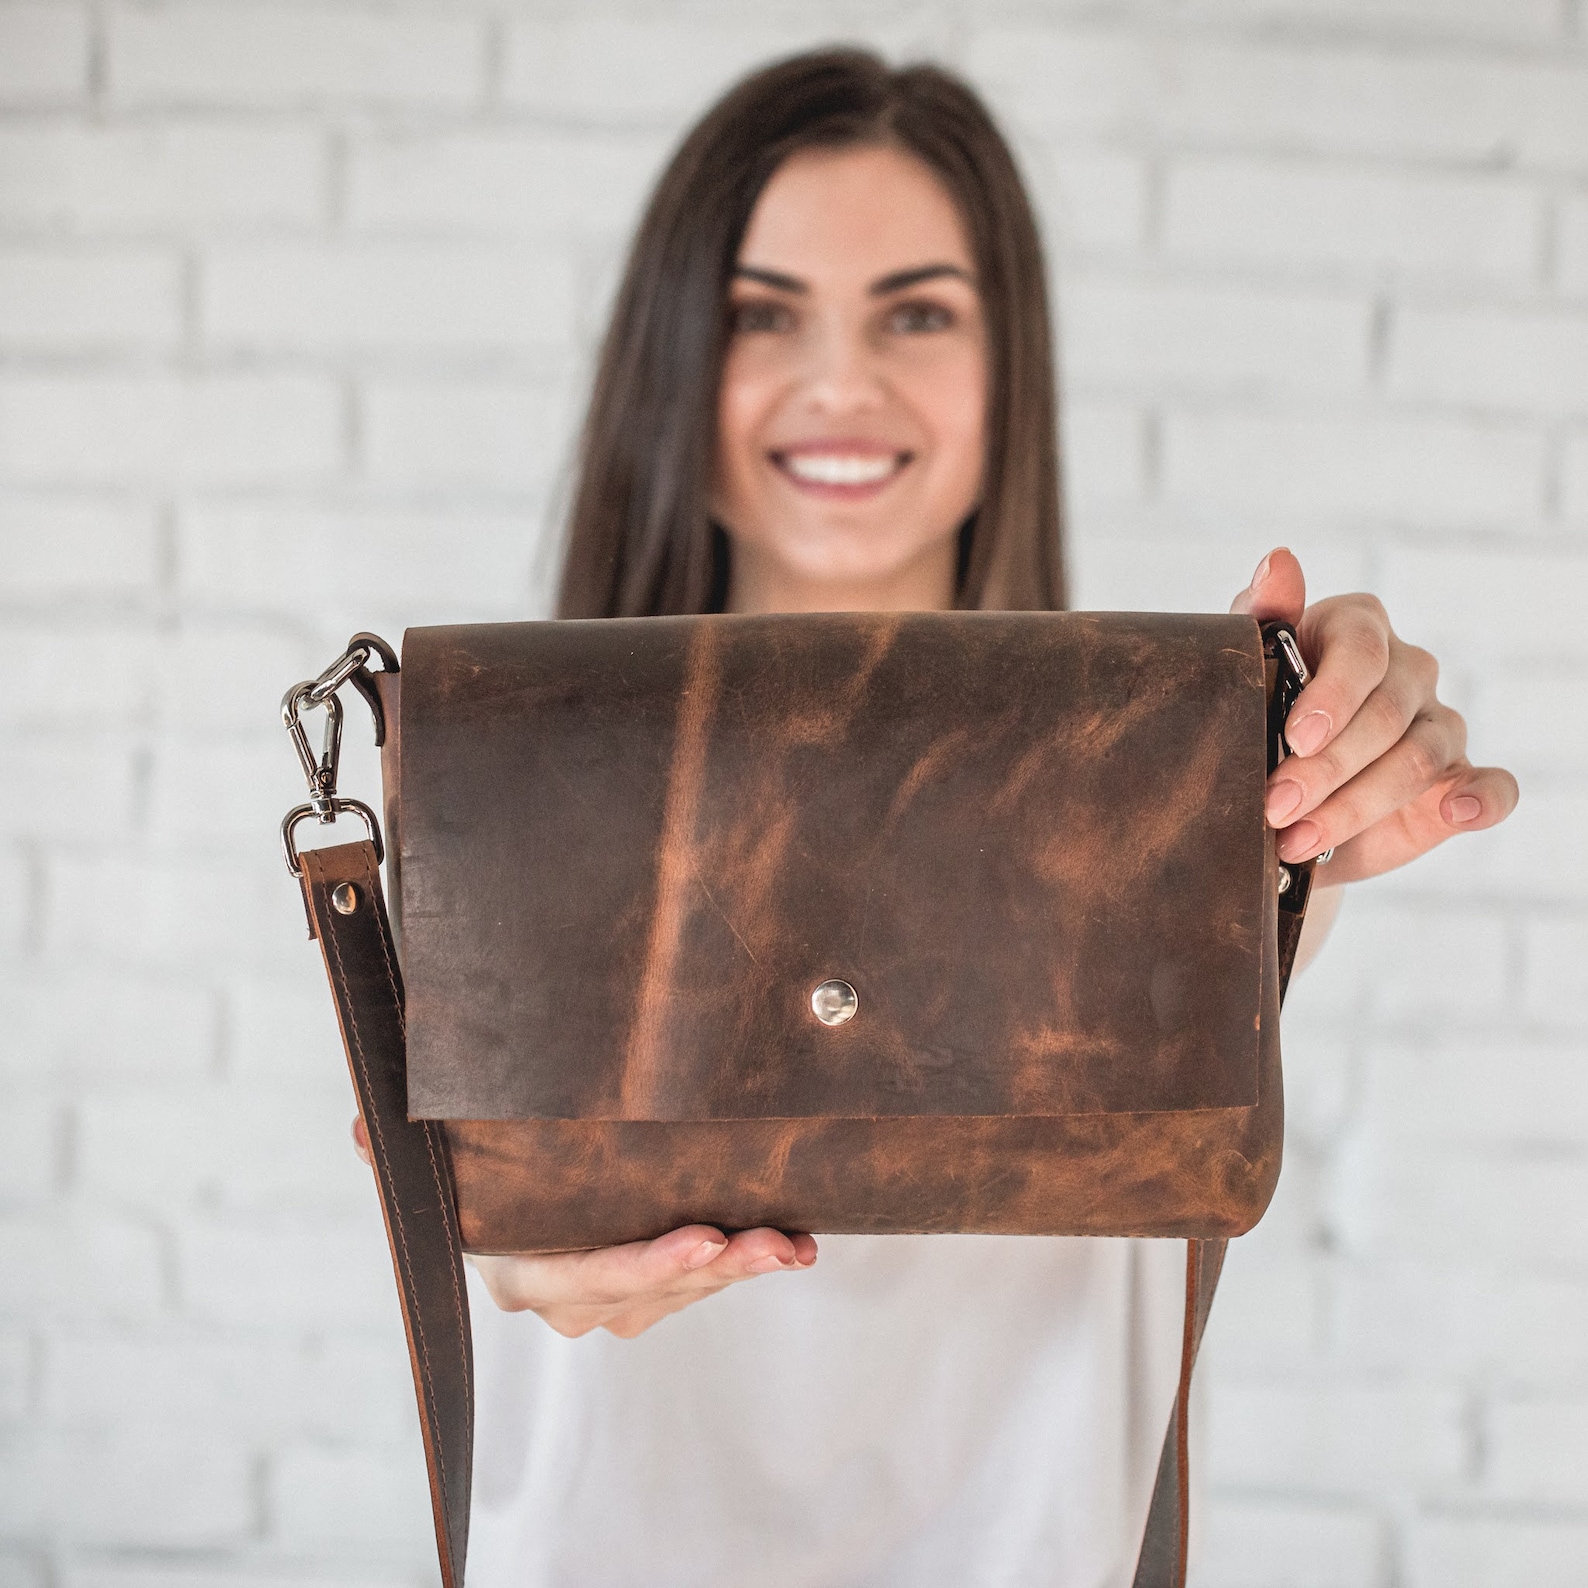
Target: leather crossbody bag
[[843, 923]]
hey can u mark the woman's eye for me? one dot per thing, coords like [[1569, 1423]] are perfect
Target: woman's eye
[[761, 314], [912, 318]]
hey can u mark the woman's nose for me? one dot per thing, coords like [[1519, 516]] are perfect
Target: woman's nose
[[842, 374]]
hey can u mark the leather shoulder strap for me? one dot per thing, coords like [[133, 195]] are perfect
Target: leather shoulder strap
[[347, 913]]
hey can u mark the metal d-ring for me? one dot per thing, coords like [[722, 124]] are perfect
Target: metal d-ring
[[303, 813]]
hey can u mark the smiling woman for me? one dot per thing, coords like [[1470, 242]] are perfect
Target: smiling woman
[[824, 197], [849, 436]]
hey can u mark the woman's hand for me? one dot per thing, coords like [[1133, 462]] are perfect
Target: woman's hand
[[1380, 772], [625, 1289]]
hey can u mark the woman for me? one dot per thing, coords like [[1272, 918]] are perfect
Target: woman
[[828, 385]]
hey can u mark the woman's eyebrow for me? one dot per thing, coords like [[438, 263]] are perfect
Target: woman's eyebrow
[[900, 279], [770, 278]]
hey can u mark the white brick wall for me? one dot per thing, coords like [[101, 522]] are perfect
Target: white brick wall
[[296, 306]]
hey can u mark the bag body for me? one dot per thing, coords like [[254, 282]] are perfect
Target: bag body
[[1028, 848]]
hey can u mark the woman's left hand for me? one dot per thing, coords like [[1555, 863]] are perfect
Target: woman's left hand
[[1380, 772]]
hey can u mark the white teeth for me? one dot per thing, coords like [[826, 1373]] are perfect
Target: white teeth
[[840, 468]]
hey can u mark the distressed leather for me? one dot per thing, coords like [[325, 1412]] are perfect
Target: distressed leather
[[412, 1175], [630, 849]]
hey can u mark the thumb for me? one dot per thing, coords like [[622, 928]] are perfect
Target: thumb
[[1278, 589]]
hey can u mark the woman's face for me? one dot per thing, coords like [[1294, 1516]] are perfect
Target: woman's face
[[851, 417]]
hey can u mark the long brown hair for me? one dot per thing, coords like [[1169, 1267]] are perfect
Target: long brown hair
[[640, 536]]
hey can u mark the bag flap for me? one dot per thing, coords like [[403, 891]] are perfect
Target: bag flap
[[1031, 843]]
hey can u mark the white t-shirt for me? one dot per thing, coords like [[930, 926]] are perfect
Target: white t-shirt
[[944, 1411]]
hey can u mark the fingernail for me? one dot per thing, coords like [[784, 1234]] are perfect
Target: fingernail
[[1308, 735], [1300, 841], [1262, 572], [704, 1253], [1464, 808], [767, 1265], [1283, 798]]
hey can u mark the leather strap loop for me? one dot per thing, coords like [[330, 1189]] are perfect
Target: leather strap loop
[[347, 913]]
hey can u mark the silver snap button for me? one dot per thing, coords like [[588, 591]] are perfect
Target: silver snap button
[[834, 1002], [344, 898]]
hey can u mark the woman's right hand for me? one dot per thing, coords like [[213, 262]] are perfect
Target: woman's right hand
[[625, 1289]]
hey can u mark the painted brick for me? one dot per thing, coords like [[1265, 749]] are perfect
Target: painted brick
[[71, 1025], [1572, 243], [125, 429], [1274, 95], [1320, 1079], [1533, 1451], [48, 686], [283, 55], [221, 796], [1254, 1545], [500, 183], [198, 175], [57, 788], [58, 300], [43, 52], [304, 1271], [16, 1376], [227, 1147], [1216, 339], [1453, 963], [1268, 1315], [491, 436], [145, 1488], [1478, 1551], [184, 911], [1089, 199], [79, 1266], [1103, 450], [1484, 604], [1515, 719], [1179, 562], [16, 891], [22, 1569], [1335, 1437], [1574, 481], [1387, 467], [258, 658], [23, 1511], [282, 1030], [1536, 362], [1555, 981], [413, 296], [436, 567], [1503, 1212], [1409, 1316], [1419, 20], [1496, 1093], [51, 549], [1297, 214], [30, 1131], [646, 69], [320, 1496], [248, 1386], [360, 1572]]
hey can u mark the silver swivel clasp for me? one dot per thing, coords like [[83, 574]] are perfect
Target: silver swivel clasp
[[324, 804]]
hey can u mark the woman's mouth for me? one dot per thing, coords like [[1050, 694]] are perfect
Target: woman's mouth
[[840, 470]]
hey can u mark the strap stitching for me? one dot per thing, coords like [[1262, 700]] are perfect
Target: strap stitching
[[379, 1141], [435, 1168]]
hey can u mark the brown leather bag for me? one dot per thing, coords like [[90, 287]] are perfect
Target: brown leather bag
[[842, 922]]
